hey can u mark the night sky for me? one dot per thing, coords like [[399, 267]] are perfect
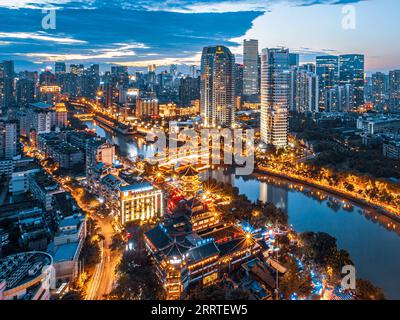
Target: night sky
[[139, 32]]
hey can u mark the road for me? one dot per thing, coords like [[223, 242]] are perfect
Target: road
[[103, 278]]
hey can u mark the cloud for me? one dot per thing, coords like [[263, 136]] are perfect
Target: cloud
[[129, 32], [121, 50], [41, 36], [179, 6], [32, 4]]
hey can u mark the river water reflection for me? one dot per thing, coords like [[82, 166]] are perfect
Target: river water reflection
[[375, 249]]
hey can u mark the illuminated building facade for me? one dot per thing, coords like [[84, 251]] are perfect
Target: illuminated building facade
[[217, 87], [49, 93], [190, 182], [6, 85], [275, 97], [60, 116], [147, 107], [394, 90], [327, 69], [183, 259], [251, 66], [140, 202], [351, 71]]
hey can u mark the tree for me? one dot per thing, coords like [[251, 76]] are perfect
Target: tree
[[117, 242], [218, 291], [91, 252], [137, 280], [214, 292], [295, 280], [73, 295], [367, 291]]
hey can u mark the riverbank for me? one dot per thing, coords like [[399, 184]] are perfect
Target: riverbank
[[379, 209]]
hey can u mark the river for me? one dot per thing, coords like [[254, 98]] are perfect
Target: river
[[374, 248]]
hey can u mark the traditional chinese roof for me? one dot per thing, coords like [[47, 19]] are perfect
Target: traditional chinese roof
[[175, 249], [190, 171], [159, 237], [230, 247], [203, 252]]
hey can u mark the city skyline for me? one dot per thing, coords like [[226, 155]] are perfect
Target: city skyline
[[184, 28]]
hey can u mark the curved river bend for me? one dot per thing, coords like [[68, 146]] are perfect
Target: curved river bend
[[374, 247]]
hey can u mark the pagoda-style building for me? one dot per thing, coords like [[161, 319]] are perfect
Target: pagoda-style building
[[190, 182]]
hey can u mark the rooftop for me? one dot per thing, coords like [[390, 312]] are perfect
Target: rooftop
[[72, 221], [203, 252], [41, 105], [66, 252], [138, 187], [45, 182], [20, 268]]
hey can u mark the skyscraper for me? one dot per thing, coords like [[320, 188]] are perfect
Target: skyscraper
[[394, 90], [327, 69], [193, 71], [275, 95], [60, 68], [90, 81], [294, 59], [189, 89], [351, 71], [173, 69], [6, 84], [339, 99], [378, 90], [76, 69], [25, 92], [9, 139], [120, 75], [217, 87], [307, 92], [250, 71], [239, 68]]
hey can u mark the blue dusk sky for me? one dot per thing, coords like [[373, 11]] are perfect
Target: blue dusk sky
[[141, 32]]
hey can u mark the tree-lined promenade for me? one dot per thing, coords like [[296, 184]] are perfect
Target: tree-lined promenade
[[373, 192]]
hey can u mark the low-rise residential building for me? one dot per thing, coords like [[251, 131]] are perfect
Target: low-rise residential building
[[67, 246], [98, 150], [80, 139], [35, 233], [4, 238], [67, 156], [62, 152], [391, 150], [43, 188], [19, 178], [20, 210], [378, 124]]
